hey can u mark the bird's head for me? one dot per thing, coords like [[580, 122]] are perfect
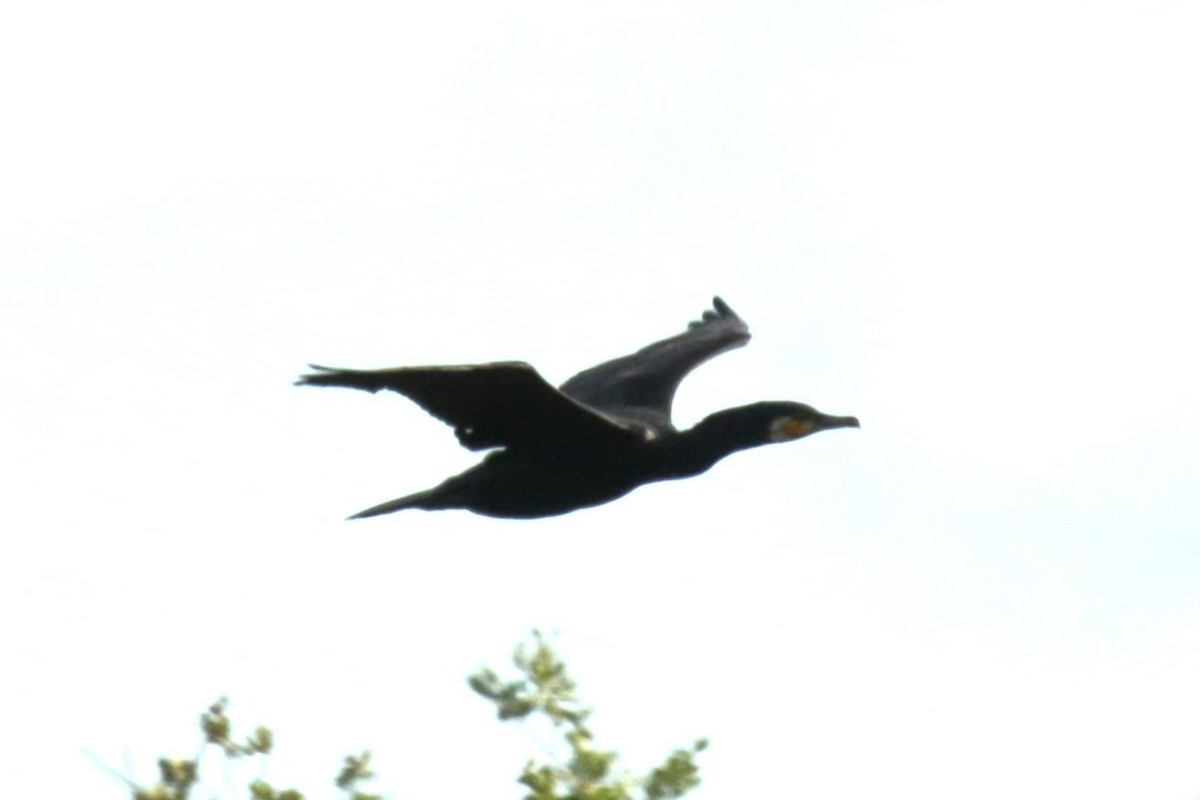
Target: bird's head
[[786, 420], [757, 424]]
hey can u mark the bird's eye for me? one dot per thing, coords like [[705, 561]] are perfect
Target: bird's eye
[[786, 428]]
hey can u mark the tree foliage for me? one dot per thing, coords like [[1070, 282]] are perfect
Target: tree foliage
[[544, 689], [179, 778]]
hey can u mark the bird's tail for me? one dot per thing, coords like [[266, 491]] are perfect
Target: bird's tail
[[445, 495], [418, 500]]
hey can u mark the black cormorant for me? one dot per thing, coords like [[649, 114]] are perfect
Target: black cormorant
[[605, 432]]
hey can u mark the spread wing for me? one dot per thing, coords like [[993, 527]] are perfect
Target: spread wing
[[505, 404], [642, 386]]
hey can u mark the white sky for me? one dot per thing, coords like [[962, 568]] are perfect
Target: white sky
[[971, 224]]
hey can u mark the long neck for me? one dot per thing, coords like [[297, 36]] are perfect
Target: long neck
[[695, 450]]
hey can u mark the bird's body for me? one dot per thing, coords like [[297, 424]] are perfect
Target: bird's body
[[522, 484], [607, 430]]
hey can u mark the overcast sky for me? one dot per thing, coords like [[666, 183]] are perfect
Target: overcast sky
[[973, 225]]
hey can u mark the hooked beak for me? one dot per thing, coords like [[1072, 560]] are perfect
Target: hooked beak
[[827, 421]]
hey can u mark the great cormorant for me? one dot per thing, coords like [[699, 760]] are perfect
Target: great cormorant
[[600, 435]]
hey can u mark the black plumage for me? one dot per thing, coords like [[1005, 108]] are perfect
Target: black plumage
[[603, 433]]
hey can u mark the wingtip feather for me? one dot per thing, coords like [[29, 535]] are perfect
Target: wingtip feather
[[720, 311]]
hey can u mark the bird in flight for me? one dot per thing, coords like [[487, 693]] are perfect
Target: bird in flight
[[599, 436]]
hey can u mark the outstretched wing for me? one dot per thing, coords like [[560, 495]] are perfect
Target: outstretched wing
[[641, 386], [505, 404]]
